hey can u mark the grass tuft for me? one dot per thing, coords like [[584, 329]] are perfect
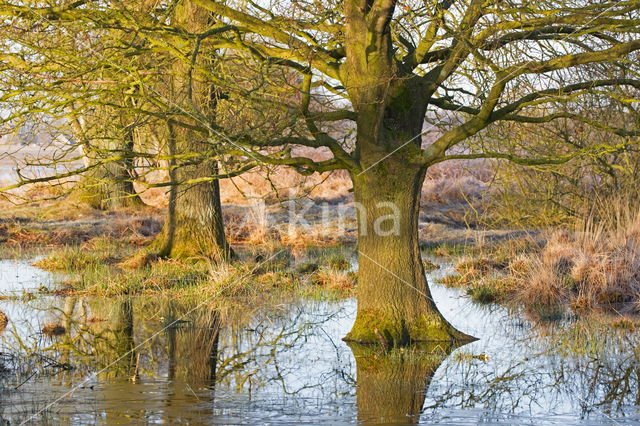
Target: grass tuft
[[53, 329], [4, 320], [93, 253], [484, 293], [595, 268], [94, 268], [332, 279]]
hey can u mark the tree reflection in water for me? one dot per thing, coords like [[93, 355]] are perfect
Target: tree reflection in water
[[563, 372], [392, 385], [154, 360]]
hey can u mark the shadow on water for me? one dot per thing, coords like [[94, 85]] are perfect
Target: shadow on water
[[148, 359]]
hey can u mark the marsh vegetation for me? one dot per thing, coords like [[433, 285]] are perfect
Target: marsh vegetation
[[289, 211]]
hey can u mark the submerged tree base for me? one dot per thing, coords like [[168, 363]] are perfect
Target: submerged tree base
[[378, 327]]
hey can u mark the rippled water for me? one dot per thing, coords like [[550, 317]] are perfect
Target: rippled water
[[151, 360]]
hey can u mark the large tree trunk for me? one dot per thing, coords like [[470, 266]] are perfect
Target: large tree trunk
[[194, 226], [394, 302], [107, 186], [199, 226], [395, 306]]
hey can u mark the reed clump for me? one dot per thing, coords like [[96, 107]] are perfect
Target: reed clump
[[596, 267]]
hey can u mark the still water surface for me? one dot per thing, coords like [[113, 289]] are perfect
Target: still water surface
[[147, 359]]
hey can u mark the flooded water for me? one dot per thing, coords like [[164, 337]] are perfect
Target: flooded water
[[16, 278], [152, 360]]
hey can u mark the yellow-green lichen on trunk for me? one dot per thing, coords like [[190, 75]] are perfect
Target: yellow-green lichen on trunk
[[387, 329], [195, 240], [106, 188], [194, 228], [395, 306]]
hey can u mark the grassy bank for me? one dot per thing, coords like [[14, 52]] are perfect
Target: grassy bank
[[96, 268], [594, 268]]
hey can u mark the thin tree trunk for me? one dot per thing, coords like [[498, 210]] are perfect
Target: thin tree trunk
[[108, 185], [394, 302]]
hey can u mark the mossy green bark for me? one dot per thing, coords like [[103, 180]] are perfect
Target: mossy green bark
[[192, 239], [194, 228], [395, 306], [106, 191], [107, 186], [389, 328]]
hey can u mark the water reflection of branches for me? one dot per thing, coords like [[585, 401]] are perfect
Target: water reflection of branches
[[283, 339], [586, 370]]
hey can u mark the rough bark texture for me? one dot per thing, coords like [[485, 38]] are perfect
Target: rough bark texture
[[194, 226], [394, 301], [107, 187]]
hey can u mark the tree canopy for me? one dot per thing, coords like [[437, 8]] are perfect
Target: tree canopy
[[360, 81]]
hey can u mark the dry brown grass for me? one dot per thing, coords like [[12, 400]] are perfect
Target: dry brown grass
[[484, 280], [455, 191], [247, 226], [317, 235], [52, 221], [332, 279], [4, 320], [459, 182], [282, 183], [255, 225], [447, 190], [53, 329], [597, 267], [39, 192], [624, 322], [477, 267], [56, 224]]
